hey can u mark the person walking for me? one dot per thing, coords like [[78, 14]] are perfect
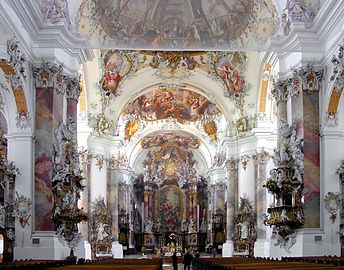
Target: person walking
[[187, 260], [175, 261]]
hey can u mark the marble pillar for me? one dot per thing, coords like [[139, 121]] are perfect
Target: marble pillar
[[114, 178], [211, 212], [232, 204], [305, 114], [260, 160], [56, 97]]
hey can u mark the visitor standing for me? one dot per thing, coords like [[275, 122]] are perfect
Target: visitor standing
[[187, 260], [175, 261]]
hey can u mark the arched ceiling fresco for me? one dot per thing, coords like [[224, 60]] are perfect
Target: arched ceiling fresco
[[178, 24], [180, 104]]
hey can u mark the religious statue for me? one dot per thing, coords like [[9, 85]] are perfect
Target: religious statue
[[244, 231], [191, 226], [203, 227], [149, 226], [101, 233], [284, 216]]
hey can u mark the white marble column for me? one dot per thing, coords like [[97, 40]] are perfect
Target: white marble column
[[246, 183], [115, 176], [211, 211], [20, 150], [84, 248], [98, 177], [232, 199], [260, 160]]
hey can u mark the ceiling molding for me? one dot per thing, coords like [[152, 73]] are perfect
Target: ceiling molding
[[47, 35]]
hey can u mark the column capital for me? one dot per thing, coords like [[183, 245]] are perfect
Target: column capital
[[221, 186], [51, 75], [301, 79], [232, 163], [260, 157]]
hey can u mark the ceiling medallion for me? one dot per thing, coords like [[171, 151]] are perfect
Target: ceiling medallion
[[229, 69], [116, 67]]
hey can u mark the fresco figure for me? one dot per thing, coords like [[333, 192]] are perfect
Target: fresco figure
[[227, 69], [113, 73]]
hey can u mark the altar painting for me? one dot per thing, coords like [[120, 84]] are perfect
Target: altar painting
[[170, 207]]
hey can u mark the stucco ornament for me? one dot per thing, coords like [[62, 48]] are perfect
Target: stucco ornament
[[300, 11], [332, 204], [17, 59], [305, 79], [338, 69], [55, 10], [22, 209]]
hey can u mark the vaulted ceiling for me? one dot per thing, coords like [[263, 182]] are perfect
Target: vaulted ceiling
[[178, 24], [172, 65]]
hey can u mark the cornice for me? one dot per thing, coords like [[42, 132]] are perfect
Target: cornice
[[332, 135], [47, 35], [312, 40], [329, 16]]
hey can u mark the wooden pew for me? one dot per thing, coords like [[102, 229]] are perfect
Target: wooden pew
[[236, 263], [124, 264]]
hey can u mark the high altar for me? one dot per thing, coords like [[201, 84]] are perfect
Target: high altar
[[171, 202]]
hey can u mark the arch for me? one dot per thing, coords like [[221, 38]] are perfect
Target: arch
[[145, 80]]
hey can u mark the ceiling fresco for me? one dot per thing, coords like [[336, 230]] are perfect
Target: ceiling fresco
[[177, 24], [182, 105], [226, 67], [116, 65], [180, 138]]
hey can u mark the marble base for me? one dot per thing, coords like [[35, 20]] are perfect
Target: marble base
[[83, 250], [116, 250], [228, 249], [262, 248], [48, 248]]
